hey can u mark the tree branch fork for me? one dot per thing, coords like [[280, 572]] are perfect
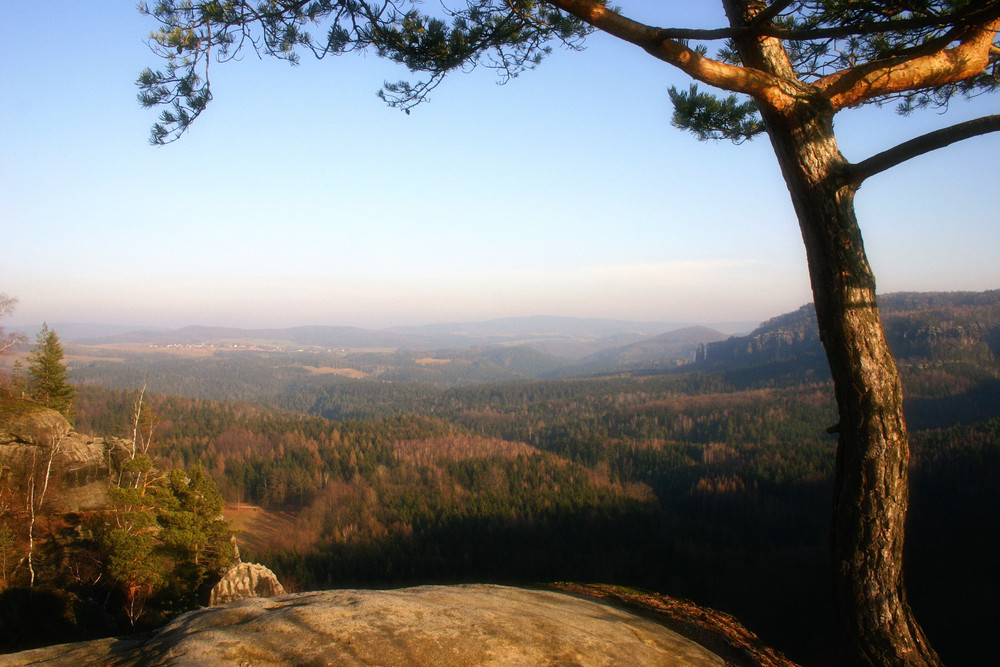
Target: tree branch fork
[[841, 89], [922, 68]]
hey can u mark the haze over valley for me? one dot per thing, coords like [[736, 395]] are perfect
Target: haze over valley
[[701, 320], [688, 461]]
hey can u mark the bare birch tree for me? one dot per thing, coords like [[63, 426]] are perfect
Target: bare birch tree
[[49, 440]]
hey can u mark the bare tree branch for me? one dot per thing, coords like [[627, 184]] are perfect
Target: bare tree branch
[[7, 341], [52, 439], [917, 146]]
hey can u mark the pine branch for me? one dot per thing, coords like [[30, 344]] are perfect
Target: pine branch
[[917, 70], [733, 78], [760, 26], [917, 146]]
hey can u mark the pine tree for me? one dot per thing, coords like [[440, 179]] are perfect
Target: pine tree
[[48, 378], [790, 66], [192, 529]]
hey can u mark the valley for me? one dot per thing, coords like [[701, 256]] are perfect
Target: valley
[[705, 476]]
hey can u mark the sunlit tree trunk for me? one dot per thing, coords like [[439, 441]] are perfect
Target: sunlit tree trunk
[[35, 496], [871, 482], [30, 495]]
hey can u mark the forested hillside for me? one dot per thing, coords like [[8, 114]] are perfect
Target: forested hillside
[[682, 484], [947, 343], [710, 481]]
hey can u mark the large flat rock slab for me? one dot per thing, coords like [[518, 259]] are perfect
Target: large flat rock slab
[[439, 626]]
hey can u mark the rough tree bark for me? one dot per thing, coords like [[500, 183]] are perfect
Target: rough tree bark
[[871, 483], [871, 479]]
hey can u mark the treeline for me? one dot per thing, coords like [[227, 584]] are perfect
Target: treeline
[[296, 380], [260, 455], [525, 484], [714, 486], [636, 436]]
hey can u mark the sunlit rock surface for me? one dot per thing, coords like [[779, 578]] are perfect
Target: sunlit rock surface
[[81, 464], [245, 580], [439, 626]]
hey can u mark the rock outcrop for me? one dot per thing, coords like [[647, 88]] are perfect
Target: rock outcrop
[[439, 626], [23, 423], [778, 338], [243, 581], [932, 327], [81, 464]]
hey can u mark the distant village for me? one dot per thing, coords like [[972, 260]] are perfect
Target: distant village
[[241, 347]]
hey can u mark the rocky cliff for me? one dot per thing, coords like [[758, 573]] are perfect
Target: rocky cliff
[[918, 325], [791, 334], [81, 464]]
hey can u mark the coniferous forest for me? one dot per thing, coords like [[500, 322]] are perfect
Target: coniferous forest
[[709, 481]]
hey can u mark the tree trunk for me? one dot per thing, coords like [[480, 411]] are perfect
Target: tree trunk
[[35, 505], [31, 520], [871, 483]]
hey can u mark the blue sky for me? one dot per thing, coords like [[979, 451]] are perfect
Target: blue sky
[[300, 198]]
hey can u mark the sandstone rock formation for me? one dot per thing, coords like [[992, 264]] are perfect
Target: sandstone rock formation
[[778, 338], [932, 327], [24, 424], [439, 626], [245, 580], [81, 464]]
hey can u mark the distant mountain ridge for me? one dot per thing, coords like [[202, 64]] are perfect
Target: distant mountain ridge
[[918, 324], [678, 343], [319, 336], [571, 338], [545, 325]]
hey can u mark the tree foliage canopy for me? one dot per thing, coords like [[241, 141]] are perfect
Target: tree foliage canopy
[[48, 378], [789, 66], [166, 538], [916, 52]]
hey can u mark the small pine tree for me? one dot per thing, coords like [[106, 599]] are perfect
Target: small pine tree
[[192, 524], [48, 379]]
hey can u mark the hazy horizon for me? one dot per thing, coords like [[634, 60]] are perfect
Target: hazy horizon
[[299, 198], [71, 331]]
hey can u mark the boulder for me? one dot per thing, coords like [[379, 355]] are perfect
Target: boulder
[[245, 580], [22, 422], [80, 470], [439, 626]]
